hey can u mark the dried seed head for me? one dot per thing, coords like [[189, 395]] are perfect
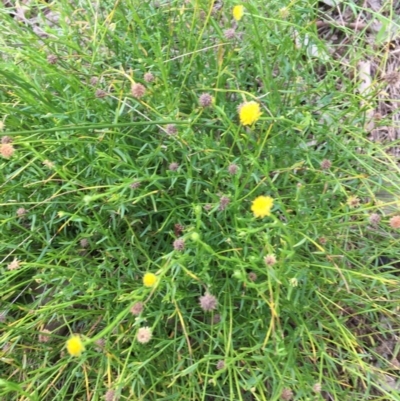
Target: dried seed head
[[395, 222], [233, 169], [205, 100], [173, 166], [135, 184], [6, 150], [44, 336], [287, 394], [137, 308], [178, 229], [148, 77], [84, 242], [144, 335], [326, 164], [374, 219], [3, 316], [220, 364], [49, 164], [52, 59], [284, 12], [110, 395], [179, 244], [21, 212], [317, 388], [322, 240], [230, 34], [207, 207], [270, 260], [353, 202], [100, 343], [138, 90], [252, 276], [208, 302], [171, 129], [94, 81], [100, 94], [216, 318], [14, 265], [392, 78], [223, 202], [6, 139]]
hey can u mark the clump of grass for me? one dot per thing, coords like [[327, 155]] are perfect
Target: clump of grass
[[218, 182]]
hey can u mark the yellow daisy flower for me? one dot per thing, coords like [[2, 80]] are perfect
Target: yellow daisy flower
[[238, 12], [262, 206], [75, 346], [149, 279], [249, 113]]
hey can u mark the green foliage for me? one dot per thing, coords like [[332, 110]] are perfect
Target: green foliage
[[102, 208]]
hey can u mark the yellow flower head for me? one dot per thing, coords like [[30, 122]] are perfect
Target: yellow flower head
[[249, 113], [149, 279], [238, 12], [75, 346], [262, 206]]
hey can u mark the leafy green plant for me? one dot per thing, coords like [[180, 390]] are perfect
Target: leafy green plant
[[127, 217]]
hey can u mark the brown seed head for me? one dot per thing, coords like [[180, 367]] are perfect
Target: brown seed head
[[317, 388], [137, 308], [144, 335], [6, 150], [205, 100], [393, 79], [52, 59], [110, 395], [216, 318], [287, 394], [395, 222], [44, 336], [230, 34], [100, 344], [270, 260], [223, 202], [220, 364], [179, 244], [173, 166], [374, 219], [94, 81], [21, 212], [233, 169], [178, 229], [138, 90], [148, 77], [326, 164], [100, 94], [171, 129], [6, 139], [208, 302], [84, 242], [252, 276], [135, 185], [353, 202]]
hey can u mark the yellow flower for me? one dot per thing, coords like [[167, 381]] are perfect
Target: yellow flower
[[262, 206], [238, 12], [249, 113], [149, 279], [75, 346]]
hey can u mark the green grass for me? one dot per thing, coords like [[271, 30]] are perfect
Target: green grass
[[318, 316]]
